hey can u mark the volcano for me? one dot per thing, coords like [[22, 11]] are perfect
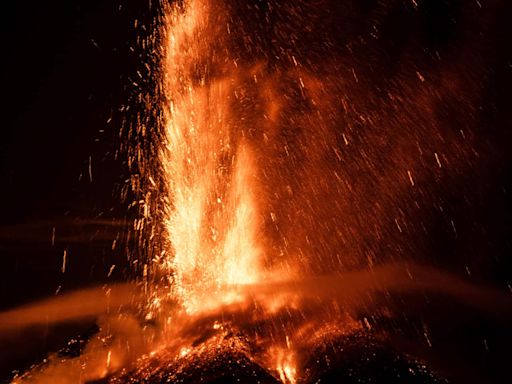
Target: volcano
[[288, 164]]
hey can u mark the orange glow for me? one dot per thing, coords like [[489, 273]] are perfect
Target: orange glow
[[212, 218], [282, 209]]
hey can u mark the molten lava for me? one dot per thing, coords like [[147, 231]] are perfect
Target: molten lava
[[289, 195]]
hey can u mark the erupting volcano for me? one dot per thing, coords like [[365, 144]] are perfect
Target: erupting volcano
[[285, 190]]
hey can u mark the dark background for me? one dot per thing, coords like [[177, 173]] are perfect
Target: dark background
[[68, 72], [66, 81]]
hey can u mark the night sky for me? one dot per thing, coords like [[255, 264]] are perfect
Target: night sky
[[66, 84], [66, 70], [67, 78]]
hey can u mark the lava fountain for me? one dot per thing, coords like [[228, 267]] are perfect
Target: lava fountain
[[279, 227]]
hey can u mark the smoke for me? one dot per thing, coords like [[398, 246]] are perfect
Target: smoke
[[120, 341], [78, 305], [269, 331]]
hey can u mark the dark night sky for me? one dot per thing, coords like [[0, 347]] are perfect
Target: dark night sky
[[65, 76], [66, 69], [64, 73]]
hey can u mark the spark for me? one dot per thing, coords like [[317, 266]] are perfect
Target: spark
[[411, 180], [438, 161], [90, 169], [111, 270], [64, 258]]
